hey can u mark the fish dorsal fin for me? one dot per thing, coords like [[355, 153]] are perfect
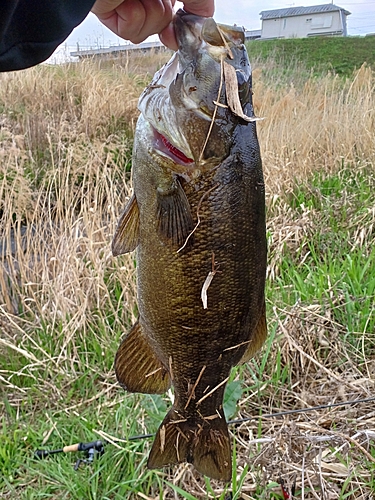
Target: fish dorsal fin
[[257, 338], [126, 236], [175, 221], [137, 367]]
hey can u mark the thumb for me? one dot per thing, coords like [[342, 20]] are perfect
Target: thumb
[[168, 37]]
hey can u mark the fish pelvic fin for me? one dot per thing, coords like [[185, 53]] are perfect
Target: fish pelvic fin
[[126, 236], [258, 336], [203, 443], [137, 367], [175, 222]]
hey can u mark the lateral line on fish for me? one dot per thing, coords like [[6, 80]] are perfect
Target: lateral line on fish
[[199, 219], [192, 391], [238, 345], [215, 110], [212, 391]]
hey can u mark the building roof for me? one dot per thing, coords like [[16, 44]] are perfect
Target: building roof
[[301, 11], [249, 34]]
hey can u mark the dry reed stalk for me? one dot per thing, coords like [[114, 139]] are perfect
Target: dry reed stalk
[[318, 126], [62, 184], [65, 141], [317, 452]]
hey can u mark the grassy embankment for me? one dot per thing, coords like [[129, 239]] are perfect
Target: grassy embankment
[[317, 55], [65, 302]]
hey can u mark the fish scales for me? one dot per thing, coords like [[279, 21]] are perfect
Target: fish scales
[[178, 279], [200, 226]]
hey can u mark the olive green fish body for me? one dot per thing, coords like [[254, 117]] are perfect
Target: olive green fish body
[[197, 219]]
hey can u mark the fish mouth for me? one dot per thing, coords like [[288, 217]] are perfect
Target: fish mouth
[[194, 32], [180, 105], [165, 147]]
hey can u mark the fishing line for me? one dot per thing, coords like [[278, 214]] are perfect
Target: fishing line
[[97, 447], [302, 410], [274, 415]]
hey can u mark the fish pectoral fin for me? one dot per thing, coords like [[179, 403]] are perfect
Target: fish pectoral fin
[[137, 367], [257, 338], [206, 445], [126, 236], [175, 222]]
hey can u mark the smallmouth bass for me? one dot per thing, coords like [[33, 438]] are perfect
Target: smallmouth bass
[[197, 222]]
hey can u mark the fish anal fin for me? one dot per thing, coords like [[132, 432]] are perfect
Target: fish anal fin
[[258, 337], [205, 444], [126, 236], [175, 221], [137, 367]]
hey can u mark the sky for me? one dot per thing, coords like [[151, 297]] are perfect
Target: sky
[[92, 34]]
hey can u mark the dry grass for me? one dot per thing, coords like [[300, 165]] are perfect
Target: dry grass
[[65, 147], [319, 454], [314, 125]]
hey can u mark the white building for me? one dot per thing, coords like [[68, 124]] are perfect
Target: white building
[[300, 22]]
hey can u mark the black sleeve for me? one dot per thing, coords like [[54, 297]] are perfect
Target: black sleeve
[[30, 30]]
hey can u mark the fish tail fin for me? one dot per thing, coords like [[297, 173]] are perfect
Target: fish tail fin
[[203, 443]]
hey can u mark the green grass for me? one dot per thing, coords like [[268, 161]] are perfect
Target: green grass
[[341, 55], [331, 264], [72, 302], [328, 268]]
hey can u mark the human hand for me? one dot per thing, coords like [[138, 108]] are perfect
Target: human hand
[[135, 20]]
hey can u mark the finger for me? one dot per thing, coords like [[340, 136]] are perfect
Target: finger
[[204, 8], [159, 14], [135, 20], [168, 37], [105, 7], [126, 19]]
